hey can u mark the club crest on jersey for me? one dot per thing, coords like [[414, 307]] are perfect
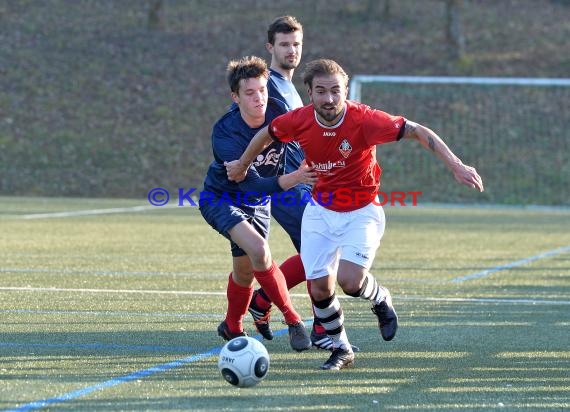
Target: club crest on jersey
[[345, 148]]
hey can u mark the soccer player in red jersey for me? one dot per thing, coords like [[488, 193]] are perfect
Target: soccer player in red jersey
[[285, 44], [342, 229]]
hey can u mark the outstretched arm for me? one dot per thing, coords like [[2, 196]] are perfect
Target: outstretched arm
[[255, 183], [237, 169], [464, 174]]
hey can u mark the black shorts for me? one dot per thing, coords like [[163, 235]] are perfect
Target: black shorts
[[223, 216]]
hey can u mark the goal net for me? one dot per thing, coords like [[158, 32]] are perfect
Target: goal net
[[515, 131]]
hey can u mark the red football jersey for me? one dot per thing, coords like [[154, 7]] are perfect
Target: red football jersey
[[344, 155]]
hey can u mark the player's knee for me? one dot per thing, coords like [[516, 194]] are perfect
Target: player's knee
[[351, 292], [320, 295], [350, 277], [350, 286], [260, 254], [321, 292]]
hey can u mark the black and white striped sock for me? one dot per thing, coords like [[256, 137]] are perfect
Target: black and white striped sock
[[329, 313], [370, 290]]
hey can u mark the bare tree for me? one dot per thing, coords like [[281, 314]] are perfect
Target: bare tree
[[373, 8], [387, 7], [156, 20], [454, 31]]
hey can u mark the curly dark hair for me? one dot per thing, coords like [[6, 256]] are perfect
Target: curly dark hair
[[249, 67]]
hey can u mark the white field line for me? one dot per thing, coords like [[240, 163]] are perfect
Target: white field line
[[91, 212], [486, 300], [303, 295], [130, 291], [511, 265], [142, 208]]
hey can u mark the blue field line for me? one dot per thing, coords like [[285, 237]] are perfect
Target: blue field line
[[115, 381], [510, 265], [130, 377]]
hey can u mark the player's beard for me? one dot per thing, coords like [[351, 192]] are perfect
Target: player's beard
[[289, 65], [328, 114]]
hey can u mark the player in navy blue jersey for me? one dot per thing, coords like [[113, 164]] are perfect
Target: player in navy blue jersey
[[285, 44], [241, 212]]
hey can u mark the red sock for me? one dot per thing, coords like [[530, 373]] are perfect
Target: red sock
[[261, 300], [317, 327], [273, 283], [238, 301], [293, 271]]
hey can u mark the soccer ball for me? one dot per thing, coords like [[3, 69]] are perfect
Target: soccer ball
[[243, 362]]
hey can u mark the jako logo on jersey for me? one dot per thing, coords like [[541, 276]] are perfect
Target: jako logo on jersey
[[329, 134], [345, 148], [270, 158]]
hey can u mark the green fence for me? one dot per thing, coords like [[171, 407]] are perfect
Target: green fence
[[514, 131]]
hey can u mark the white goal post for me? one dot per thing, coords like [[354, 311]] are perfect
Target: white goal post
[[515, 130], [355, 87]]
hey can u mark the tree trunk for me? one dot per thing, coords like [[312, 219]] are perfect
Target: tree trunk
[[454, 32], [373, 8], [387, 6], [156, 19]]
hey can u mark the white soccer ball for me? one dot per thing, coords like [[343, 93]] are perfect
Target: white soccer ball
[[243, 361]]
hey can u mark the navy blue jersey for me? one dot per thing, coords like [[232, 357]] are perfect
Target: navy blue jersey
[[230, 137], [289, 214], [283, 89]]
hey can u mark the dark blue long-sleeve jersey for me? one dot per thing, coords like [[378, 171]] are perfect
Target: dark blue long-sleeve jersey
[[230, 137]]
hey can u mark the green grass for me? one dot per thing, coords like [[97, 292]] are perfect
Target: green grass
[[87, 299]]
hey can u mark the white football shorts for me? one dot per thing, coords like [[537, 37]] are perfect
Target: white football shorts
[[328, 236]]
